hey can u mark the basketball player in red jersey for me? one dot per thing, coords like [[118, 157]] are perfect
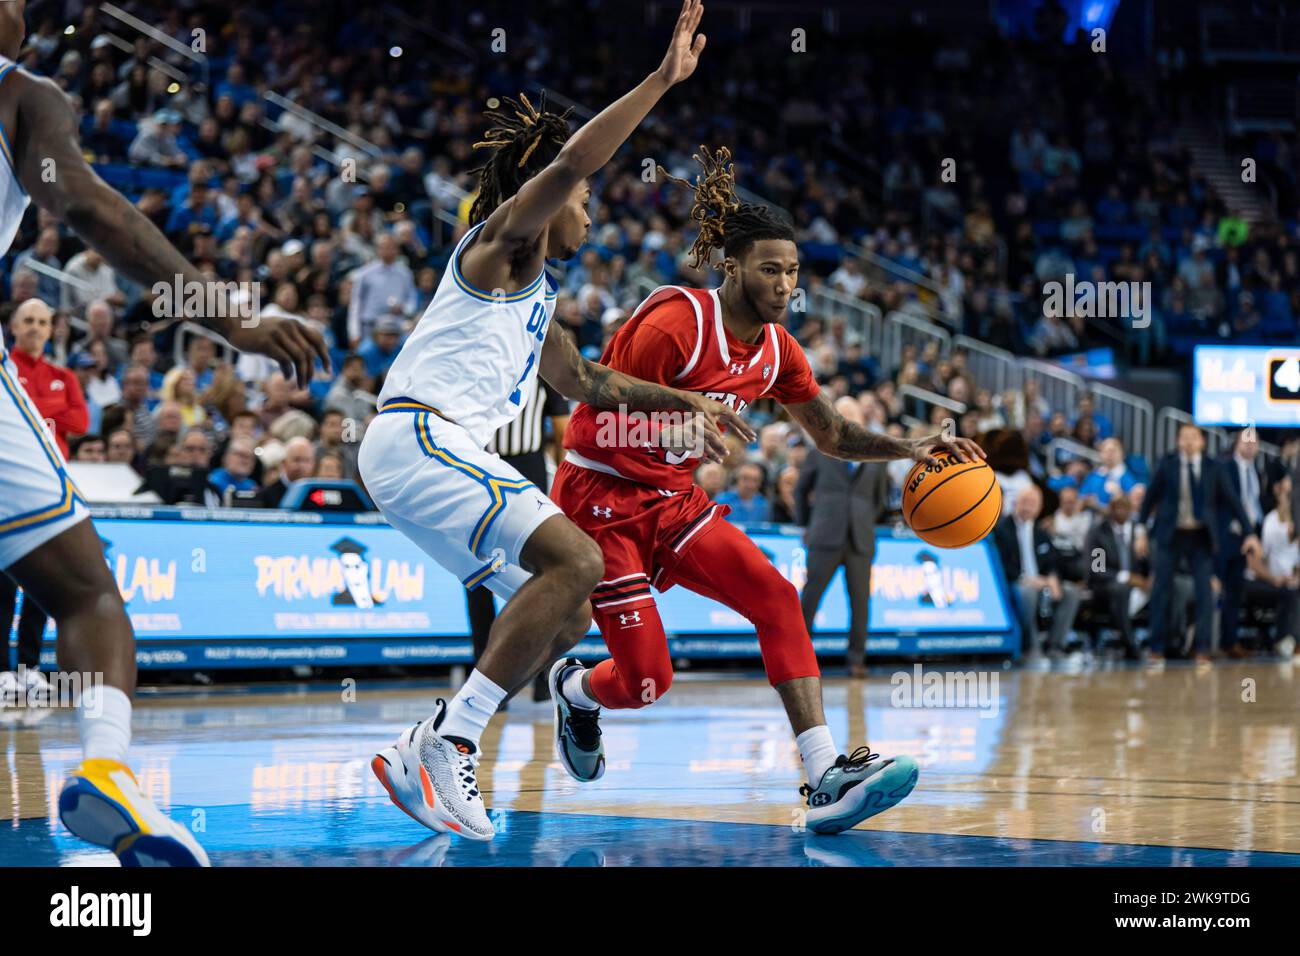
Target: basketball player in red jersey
[[656, 528]]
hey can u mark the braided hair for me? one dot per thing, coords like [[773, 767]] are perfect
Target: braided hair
[[725, 222], [522, 143]]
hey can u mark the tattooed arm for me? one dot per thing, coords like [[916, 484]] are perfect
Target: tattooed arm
[[834, 435], [581, 380]]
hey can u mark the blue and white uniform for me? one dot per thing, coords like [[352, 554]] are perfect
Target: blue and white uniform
[[465, 371], [37, 498]]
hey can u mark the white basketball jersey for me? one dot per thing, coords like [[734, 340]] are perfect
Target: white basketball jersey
[[13, 198], [473, 356]]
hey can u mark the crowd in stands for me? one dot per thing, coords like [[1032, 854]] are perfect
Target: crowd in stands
[[1063, 166]]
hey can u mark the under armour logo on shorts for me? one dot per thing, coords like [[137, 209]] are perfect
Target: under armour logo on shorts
[[626, 619], [601, 513]]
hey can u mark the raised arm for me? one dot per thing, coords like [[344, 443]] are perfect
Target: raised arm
[[838, 437], [520, 220], [50, 165]]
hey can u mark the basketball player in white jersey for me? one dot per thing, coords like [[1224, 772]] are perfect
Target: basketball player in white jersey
[[47, 543], [461, 375]]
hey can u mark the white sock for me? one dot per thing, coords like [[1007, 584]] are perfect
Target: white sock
[[818, 752], [104, 715], [470, 710], [571, 687]]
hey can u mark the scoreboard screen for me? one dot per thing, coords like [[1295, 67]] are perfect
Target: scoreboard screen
[[1245, 385]]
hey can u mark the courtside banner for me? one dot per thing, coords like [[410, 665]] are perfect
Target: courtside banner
[[241, 589]]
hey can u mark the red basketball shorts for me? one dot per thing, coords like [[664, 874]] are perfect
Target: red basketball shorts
[[650, 538]]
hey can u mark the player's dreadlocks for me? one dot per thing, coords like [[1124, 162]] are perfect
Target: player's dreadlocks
[[522, 143], [726, 222]]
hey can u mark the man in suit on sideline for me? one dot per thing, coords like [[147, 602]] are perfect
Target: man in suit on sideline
[[1115, 564], [1252, 480], [847, 500], [1192, 498], [1030, 563]]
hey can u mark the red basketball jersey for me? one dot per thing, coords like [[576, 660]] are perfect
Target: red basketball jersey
[[676, 337]]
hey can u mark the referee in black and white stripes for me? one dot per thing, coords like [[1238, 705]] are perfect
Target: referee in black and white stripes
[[521, 444]]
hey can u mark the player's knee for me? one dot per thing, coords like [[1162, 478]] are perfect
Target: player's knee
[[647, 685], [574, 629], [585, 565]]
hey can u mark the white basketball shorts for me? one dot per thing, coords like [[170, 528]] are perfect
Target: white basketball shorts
[[465, 507], [37, 498]]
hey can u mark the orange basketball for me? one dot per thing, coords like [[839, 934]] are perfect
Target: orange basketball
[[954, 504]]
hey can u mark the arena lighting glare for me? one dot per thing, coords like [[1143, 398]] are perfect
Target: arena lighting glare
[[69, 30], [395, 52], [174, 88]]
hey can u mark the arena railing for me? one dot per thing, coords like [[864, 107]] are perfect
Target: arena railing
[[868, 323], [929, 399], [200, 60], [1132, 416], [994, 368], [1218, 441], [186, 331], [1073, 449], [1059, 387], [902, 329]]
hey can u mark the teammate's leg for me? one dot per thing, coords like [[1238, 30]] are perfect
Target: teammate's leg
[[69, 579], [725, 565]]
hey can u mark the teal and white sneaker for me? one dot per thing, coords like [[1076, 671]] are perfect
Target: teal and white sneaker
[[857, 787], [577, 729]]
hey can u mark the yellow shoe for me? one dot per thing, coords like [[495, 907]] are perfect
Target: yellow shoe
[[102, 804]]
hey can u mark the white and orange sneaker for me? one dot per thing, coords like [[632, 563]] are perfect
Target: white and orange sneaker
[[432, 778], [102, 804]]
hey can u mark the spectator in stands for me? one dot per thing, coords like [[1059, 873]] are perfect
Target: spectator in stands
[[196, 448], [99, 322], [98, 283], [329, 465], [383, 289], [381, 346], [156, 142], [99, 388], [712, 479], [1112, 477], [1273, 577], [24, 284], [236, 469], [1030, 564], [334, 426], [102, 140], [178, 387], [1241, 468], [169, 422], [135, 399], [784, 509], [745, 496], [1070, 525], [120, 448], [352, 391], [89, 448], [1115, 551], [1191, 500], [44, 253], [54, 390], [299, 462]]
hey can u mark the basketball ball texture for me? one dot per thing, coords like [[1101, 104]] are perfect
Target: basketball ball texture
[[953, 504]]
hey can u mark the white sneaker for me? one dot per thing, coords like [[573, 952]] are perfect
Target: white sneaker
[[9, 689], [432, 778]]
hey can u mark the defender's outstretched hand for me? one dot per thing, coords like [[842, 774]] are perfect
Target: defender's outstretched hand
[[685, 48], [294, 344]]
